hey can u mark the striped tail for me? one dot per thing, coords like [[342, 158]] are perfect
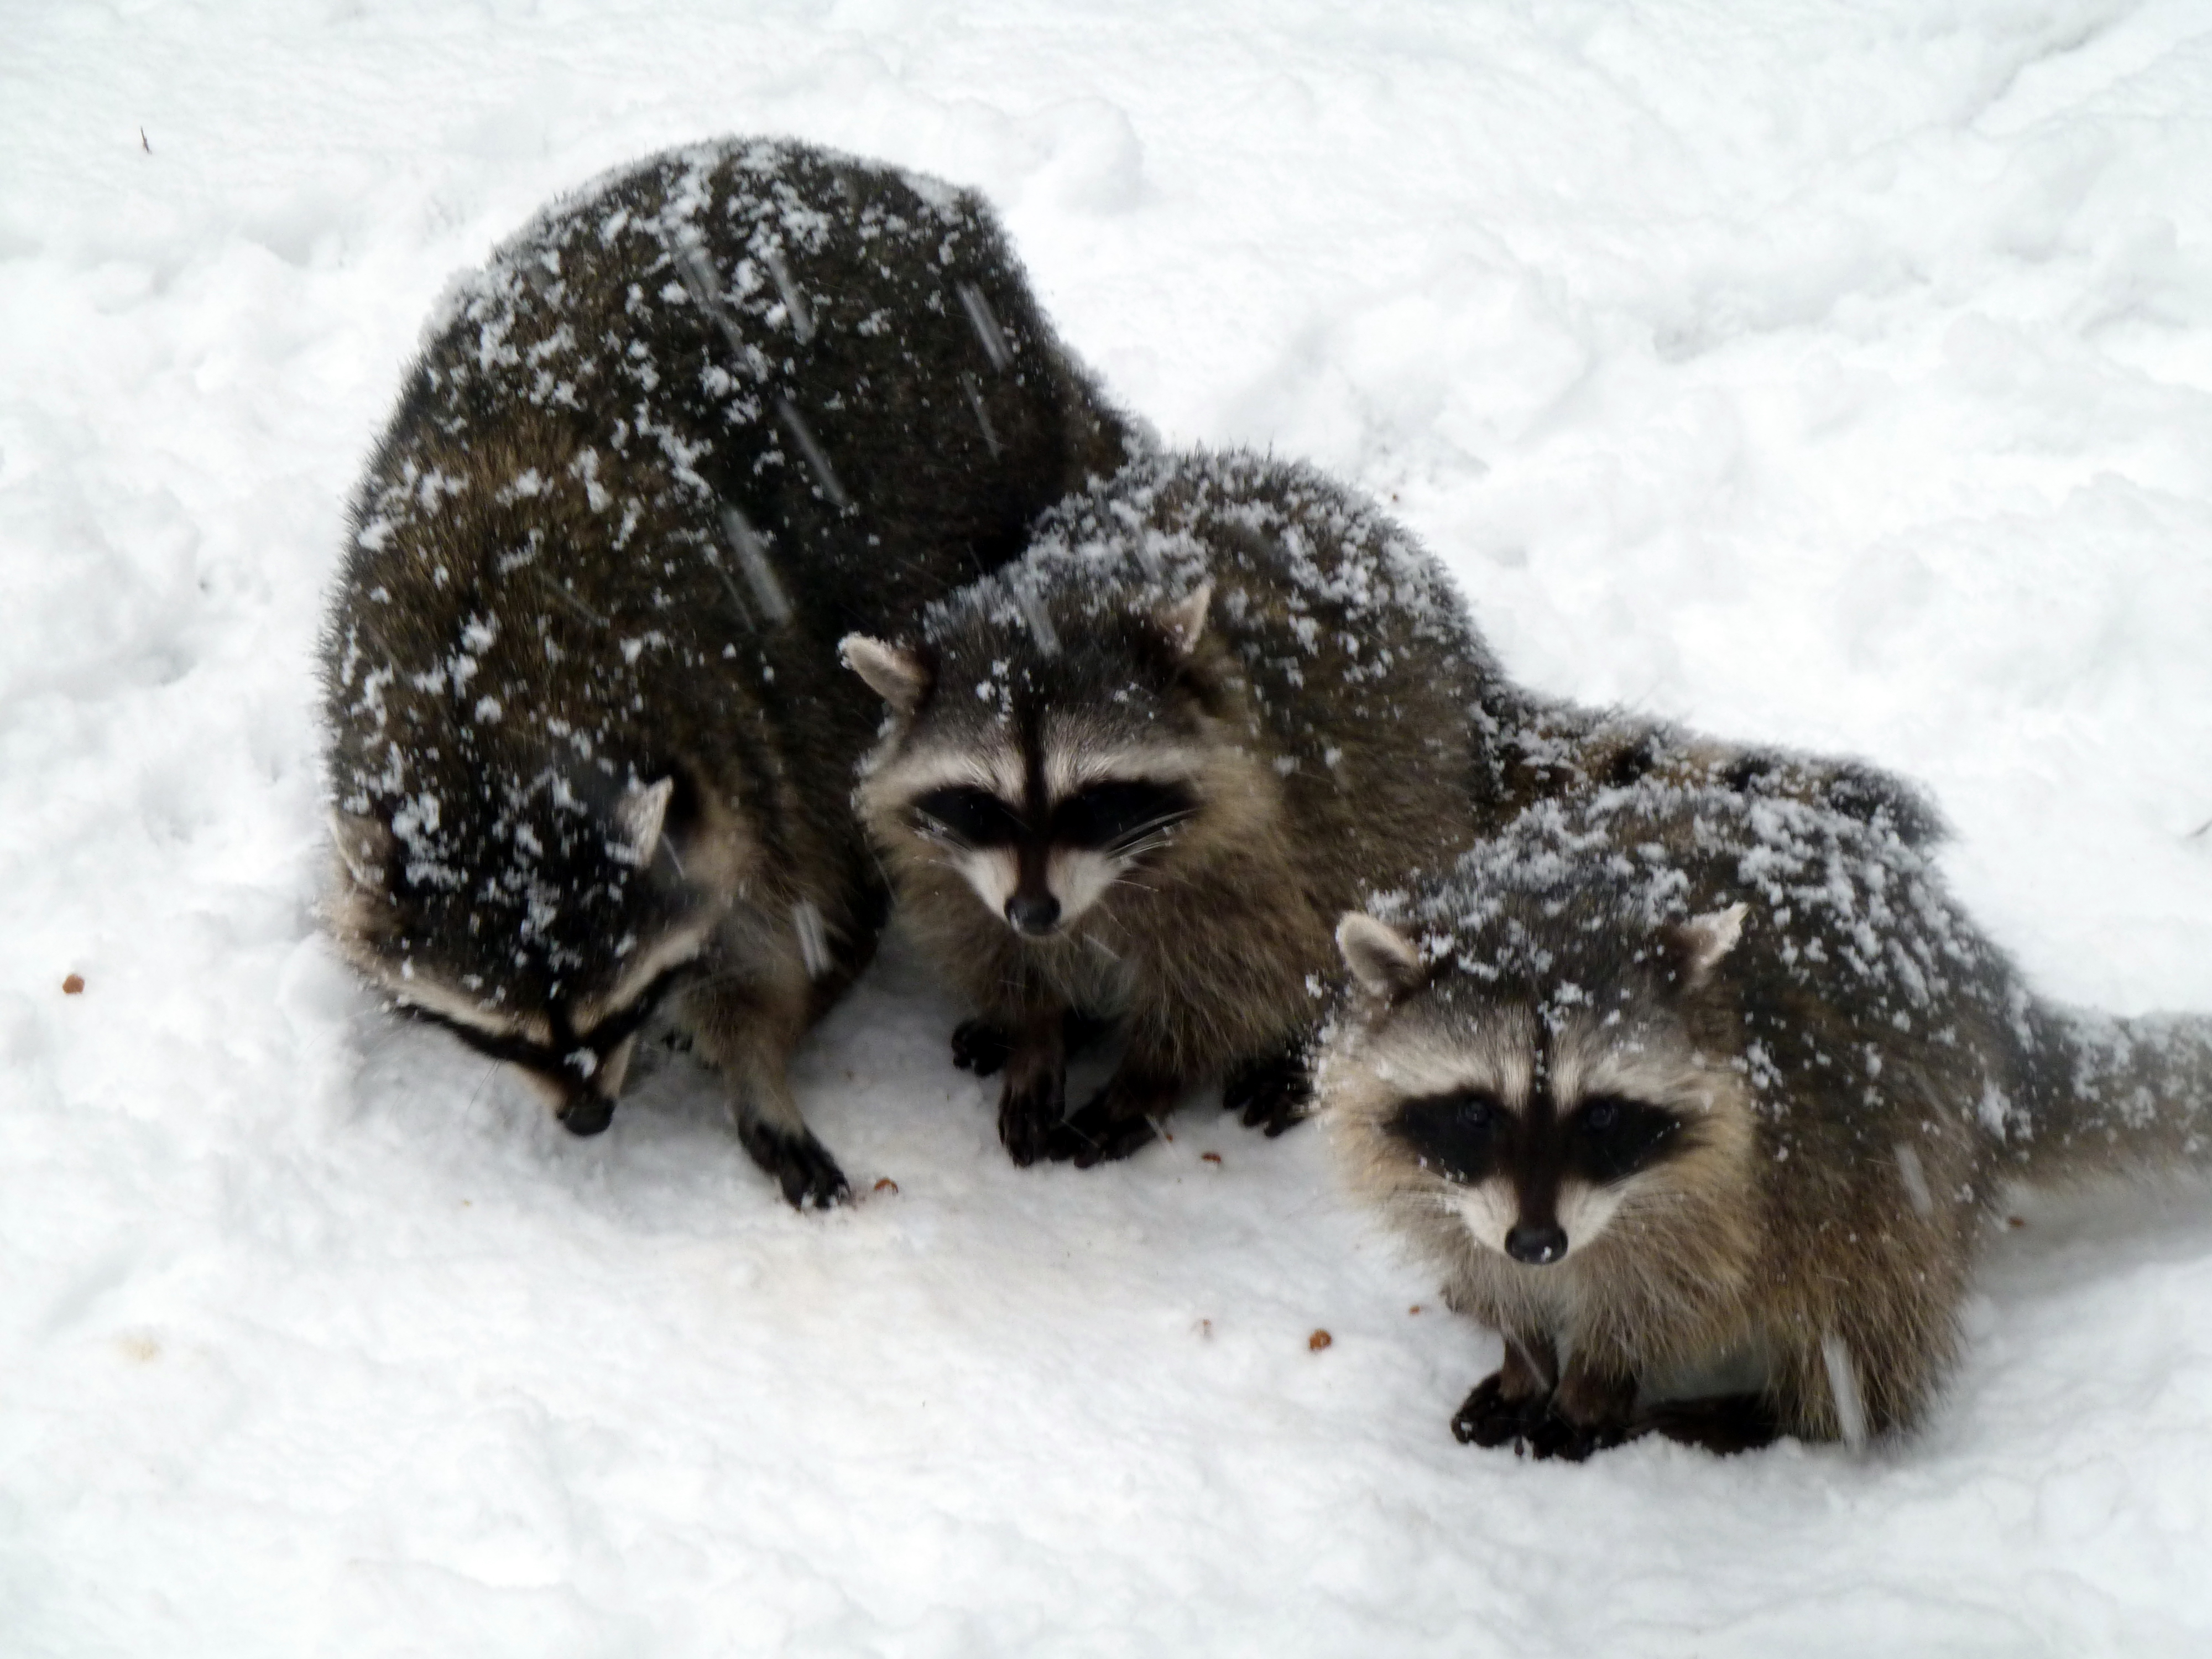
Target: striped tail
[[2115, 1097]]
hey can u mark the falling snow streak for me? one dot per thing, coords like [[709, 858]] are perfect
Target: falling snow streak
[[969, 385], [817, 461], [753, 558], [794, 302], [986, 326]]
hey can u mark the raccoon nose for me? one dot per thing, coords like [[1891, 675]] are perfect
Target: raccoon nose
[[587, 1114], [1536, 1245], [1035, 916]]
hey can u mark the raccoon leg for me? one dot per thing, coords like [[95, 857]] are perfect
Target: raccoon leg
[[1035, 1097], [1271, 1093], [983, 1048], [1507, 1405], [747, 1032], [1721, 1424]]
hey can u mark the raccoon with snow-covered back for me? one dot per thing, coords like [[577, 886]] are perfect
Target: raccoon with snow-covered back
[[590, 749], [1136, 777], [1704, 1102]]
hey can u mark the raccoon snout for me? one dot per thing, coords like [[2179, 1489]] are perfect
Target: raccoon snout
[[1537, 1246], [1034, 915], [587, 1114]]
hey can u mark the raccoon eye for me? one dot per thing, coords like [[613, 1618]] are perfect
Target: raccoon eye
[[1457, 1135], [1108, 816], [974, 818], [1618, 1137]]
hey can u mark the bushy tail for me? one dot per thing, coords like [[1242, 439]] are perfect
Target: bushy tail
[[2115, 1097]]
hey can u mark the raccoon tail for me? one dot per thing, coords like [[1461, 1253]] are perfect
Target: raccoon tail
[[2125, 1097]]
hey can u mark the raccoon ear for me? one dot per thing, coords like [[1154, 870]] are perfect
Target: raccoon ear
[[640, 814], [1698, 943], [364, 848], [896, 675], [1380, 956], [1185, 620]]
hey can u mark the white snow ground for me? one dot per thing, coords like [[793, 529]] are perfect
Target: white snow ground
[[1838, 374]]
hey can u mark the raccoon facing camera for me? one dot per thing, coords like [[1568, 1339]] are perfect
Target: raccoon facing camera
[[1136, 777], [1705, 1101], [589, 749]]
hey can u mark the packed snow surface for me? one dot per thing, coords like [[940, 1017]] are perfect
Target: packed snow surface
[[1832, 375]]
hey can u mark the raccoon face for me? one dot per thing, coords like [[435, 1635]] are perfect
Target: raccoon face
[[1538, 1178], [1059, 778], [569, 934], [1534, 1114]]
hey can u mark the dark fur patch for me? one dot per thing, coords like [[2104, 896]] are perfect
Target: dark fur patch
[[1611, 1138], [1108, 816], [973, 817], [1466, 1137]]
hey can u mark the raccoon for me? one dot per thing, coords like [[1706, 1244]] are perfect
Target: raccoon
[[588, 744], [1704, 1101], [1136, 777]]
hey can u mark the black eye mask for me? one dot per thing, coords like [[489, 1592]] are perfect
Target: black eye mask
[[974, 818], [1103, 818], [1462, 1135], [556, 1060], [1109, 817]]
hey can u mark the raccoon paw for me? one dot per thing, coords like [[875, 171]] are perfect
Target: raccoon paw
[[980, 1046], [1271, 1094], [1552, 1434], [1030, 1117], [1094, 1136], [801, 1165], [1488, 1418]]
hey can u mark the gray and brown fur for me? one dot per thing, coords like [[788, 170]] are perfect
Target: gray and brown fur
[[1841, 1075], [1302, 672], [589, 746]]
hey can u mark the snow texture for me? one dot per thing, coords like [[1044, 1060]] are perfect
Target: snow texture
[[1836, 376]]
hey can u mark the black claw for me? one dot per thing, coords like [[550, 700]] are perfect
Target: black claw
[[586, 1115], [801, 1165], [980, 1046], [1488, 1418], [1270, 1093]]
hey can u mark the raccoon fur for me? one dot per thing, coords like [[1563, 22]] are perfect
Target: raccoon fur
[[589, 748], [1703, 1101], [1137, 776]]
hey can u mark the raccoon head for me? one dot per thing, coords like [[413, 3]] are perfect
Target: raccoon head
[[1537, 1105], [1053, 753], [542, 925]]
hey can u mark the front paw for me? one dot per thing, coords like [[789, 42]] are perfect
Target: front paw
[[1094, 1134], [1270, 1093], [1489, 1417], [1117, 1120], [1553, 1435], [801, 1165], [1030, 1116], [980, 1046]]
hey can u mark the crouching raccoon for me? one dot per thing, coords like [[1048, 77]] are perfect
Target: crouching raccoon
[[588, 744], [1136, 777], [1704, 1102]]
